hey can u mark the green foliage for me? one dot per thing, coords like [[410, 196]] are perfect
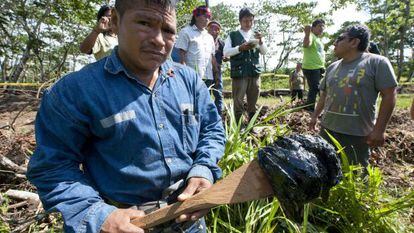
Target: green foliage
[[184, 11], [391, 25], [227, 17], [38, 36]]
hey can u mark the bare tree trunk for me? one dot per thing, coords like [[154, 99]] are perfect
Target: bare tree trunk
[[264, 63], [22, 63], [4, 67], [403, 33], [386, 39]]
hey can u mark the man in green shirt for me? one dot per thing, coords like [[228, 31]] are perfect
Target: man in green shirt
[[313, 59]]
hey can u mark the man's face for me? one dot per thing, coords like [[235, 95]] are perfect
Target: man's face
[[146, 34], [214, 30], [318, 29], [202, 20], [343, 45], [246, 23]]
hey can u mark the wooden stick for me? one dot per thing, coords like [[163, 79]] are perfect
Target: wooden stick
[[245, 184], [23, 195]]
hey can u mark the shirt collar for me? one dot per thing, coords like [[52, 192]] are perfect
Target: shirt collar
[[195, 28], [113, 63]]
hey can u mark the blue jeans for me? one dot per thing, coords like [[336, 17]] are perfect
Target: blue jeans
[[217, 89], [313, 77]]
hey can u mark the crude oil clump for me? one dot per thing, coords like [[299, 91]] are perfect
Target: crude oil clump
[[300, 168]]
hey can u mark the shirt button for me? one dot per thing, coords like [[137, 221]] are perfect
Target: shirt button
[[161, 126], [168, 160]]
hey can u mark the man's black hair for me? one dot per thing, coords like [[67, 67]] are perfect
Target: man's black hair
[[317, 21], [373, 48], [360, 32], [122, 5], [245, 12], [102, 11]]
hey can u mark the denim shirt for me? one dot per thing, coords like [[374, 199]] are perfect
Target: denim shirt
[[101, 134]]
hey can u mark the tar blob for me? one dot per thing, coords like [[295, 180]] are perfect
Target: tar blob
[[300, 169]]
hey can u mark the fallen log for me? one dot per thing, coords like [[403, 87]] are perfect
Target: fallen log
[[32, 198], [10, 165]]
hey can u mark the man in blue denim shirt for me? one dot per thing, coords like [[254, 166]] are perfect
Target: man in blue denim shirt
[[135, 122]]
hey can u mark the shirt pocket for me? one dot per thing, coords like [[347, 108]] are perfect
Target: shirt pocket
[[191, 129]]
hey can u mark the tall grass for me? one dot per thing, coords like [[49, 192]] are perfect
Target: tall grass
[[358, 204]]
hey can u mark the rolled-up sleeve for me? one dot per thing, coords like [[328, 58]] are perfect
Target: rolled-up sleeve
[[229, 51], [210, 147], [54, 168]]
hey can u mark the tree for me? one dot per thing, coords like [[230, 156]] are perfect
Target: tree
[[292, 19], [391, 24], [38, 36]]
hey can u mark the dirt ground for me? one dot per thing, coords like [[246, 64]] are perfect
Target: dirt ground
[[17, 142]]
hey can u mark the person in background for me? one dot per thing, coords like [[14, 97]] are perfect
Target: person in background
[[214, 28], [175, 55], [412, 110], [197, 46], [143, 129], [349, 93], [313, 60], [297, 83], [373, 48], [102, 39], [244, 47]]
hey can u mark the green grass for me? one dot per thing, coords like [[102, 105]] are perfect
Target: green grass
[[404, 101]]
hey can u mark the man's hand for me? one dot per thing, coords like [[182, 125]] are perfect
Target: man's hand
[[103, 25], [376, 138], [258, 36], [312, 123], [120, 221], [194, 186], [246, 46]]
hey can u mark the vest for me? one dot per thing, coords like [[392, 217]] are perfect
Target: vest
[[246, 63]]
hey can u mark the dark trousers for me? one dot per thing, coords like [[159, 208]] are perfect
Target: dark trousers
[[298, 93], [313, 77], [217, 89], [356, 148], [241, 87]]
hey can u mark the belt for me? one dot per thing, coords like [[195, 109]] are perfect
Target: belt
[[169, 195]]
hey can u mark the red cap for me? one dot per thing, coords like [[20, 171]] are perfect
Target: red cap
[[202, 10]]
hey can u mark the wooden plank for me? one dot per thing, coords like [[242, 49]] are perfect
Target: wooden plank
[[245, 184]]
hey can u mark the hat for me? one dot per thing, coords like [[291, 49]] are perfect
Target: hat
[[214, 22], [202, 10]]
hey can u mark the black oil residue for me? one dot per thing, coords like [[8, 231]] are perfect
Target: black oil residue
[[300, 169]]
